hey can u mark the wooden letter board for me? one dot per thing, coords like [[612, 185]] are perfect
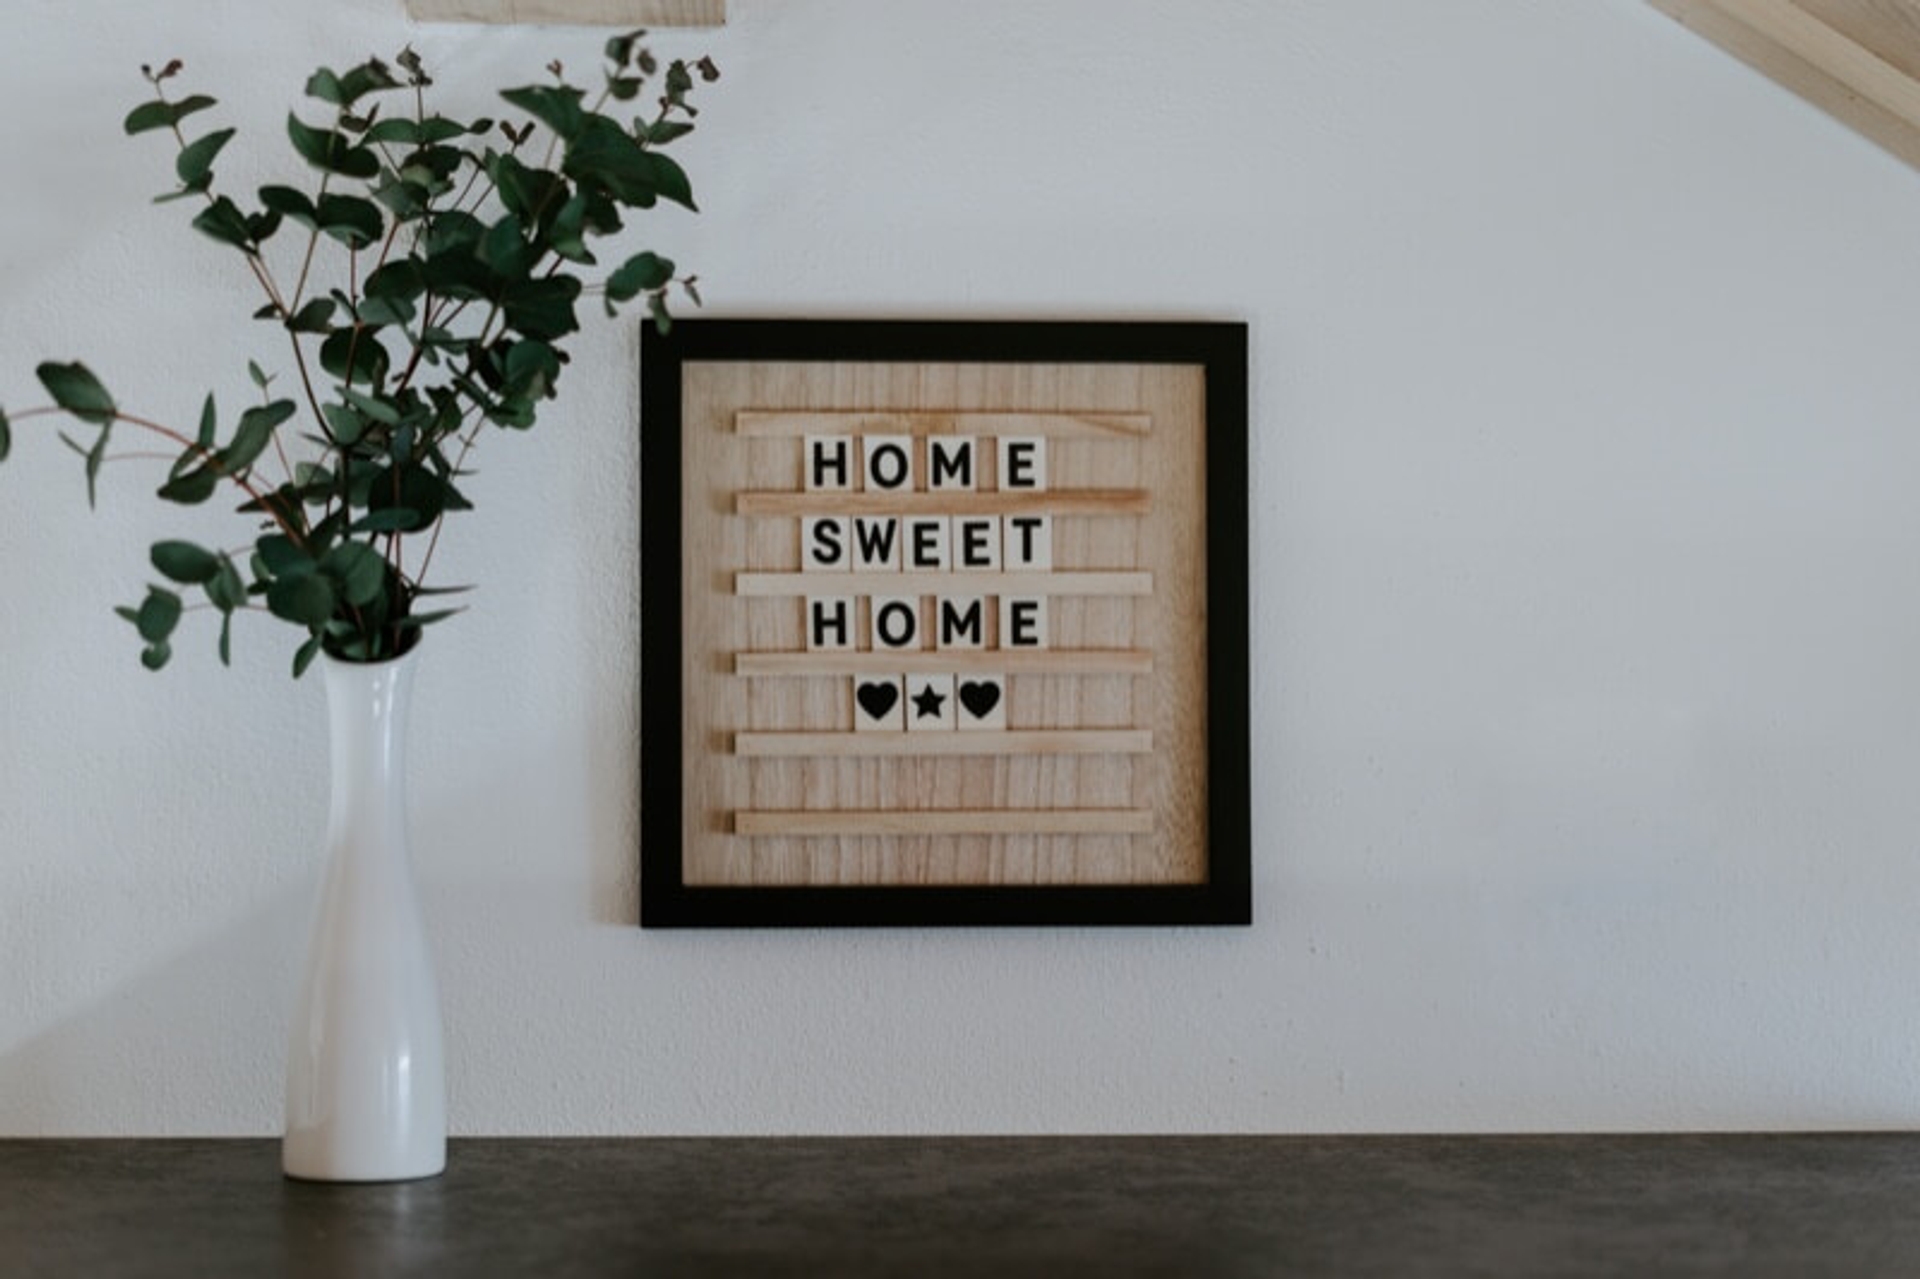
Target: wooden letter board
[[944, 623]]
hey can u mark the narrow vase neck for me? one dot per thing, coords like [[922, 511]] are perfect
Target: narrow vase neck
[[367, 719]]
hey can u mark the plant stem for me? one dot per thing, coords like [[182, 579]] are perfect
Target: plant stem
[[433, 542], [313, 239], [191, 446]]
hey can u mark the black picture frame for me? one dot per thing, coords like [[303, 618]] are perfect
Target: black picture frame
[[1220, 348]]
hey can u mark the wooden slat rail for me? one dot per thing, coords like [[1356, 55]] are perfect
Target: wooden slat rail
[[997, 661], [887, 582], [1039, 741], [1000, 502], [1079, 821], [846, 422]]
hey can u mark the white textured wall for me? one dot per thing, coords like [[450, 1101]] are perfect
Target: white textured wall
[[1586, 603]]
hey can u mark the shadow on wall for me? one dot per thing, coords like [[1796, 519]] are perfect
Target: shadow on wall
[[195, 1043], [197, 1040]]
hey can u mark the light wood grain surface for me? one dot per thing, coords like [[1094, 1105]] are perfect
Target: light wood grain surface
[[1858, 60], [768, 727]]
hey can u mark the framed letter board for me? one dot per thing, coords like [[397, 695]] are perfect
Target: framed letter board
[[944, 623]]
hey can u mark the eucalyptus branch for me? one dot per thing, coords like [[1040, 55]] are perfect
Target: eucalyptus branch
[[306, 387], [459, 466], [255, 263], [393, 440], [191, 448]]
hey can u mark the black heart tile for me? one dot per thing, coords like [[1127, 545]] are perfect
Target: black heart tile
[[877, 699], [979, 697]]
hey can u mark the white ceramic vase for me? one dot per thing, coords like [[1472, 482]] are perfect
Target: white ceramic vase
[[366, 1077]]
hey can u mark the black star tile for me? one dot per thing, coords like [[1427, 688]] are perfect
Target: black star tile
[[927, 704]]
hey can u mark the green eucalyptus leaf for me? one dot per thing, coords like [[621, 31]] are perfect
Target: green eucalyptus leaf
[[377, 409], [524, 192], [354, 222], [369, 358], [191, 487], [435, 167], [360, 572], [504, 248], [453, 231], [531, 368], [194, 164], [566, 235], [641, 273], [6, 436], [75, 389], [330, 150], [392, 519], [208, 423], [418, 491], [415, 621], [679, 84], [344, 91], [314, 316], [620, 48], [455, 271], [96, 457], [400, 280], [308, 599], [226, 639], [398, 129], [185, 562], [224, 222], [226, 590], [346, 425], [671, 181], [304, 656], [159, 614], [164, 115], [280, 557], [437, 128], [661, 132], [606, 156], [325, 85], [155, 656], [384, 311], [253, 435], [288, 203], [403, 197], [541, 308], [556, 106]]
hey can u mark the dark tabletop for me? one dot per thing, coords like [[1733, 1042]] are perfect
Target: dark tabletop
[[1187, 1206]]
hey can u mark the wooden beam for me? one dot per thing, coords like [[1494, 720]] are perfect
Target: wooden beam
[[593, 13], [1858, 60]]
